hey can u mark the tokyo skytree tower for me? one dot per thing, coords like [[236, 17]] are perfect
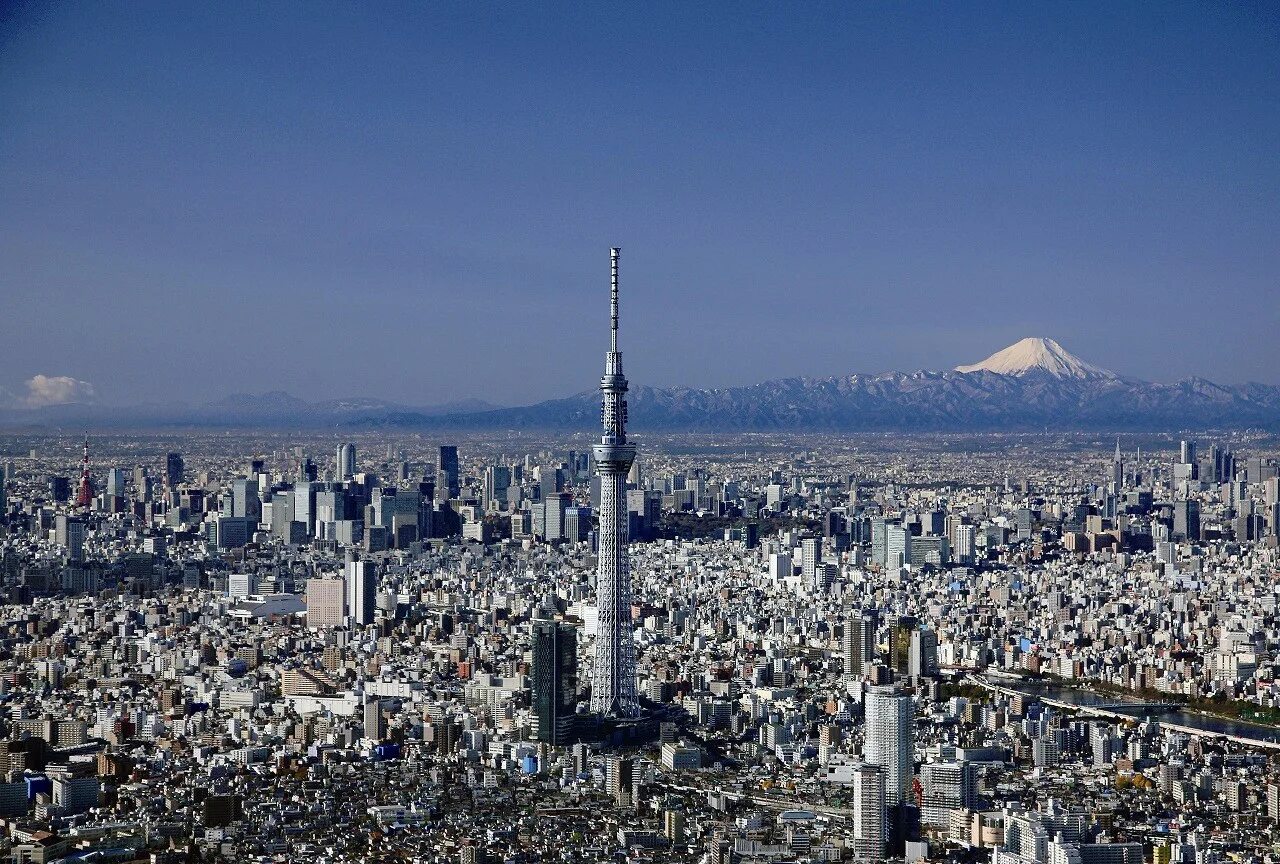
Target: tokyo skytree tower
[[613, 687]]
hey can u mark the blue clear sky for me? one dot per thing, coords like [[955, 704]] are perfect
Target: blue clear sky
[[416, 201]]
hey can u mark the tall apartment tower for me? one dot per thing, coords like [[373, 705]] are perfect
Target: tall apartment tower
[[870, 814], [858, 646], [613, 687], [888, 744], [375, 726], [345, 463], [947, 787]]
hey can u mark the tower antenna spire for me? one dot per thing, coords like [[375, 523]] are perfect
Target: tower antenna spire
[[614, 252]]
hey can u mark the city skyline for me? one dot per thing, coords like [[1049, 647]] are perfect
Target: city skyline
[[937, 520], [866, 188]]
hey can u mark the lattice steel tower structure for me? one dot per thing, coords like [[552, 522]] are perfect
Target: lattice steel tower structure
[[613, 685], [84, 491]]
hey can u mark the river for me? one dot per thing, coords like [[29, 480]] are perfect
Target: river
[[1192, 721]]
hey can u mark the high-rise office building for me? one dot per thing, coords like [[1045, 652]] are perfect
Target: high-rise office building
[[811, 561], [361, 588], [345, 463], [1186, 520], [922, 657], [645, 507], [233, 532], [304, 504], [406, 514], [888, 739], [330, 507], [555, 508], [497, 480], [577, 524], [900, 635], [68, 532], [115, 482], [282, 514], [933, 523], [897, 545], [1023, 520], [878, 529], [613, 687], [141, 483], [60, 489], [173, 469], [448, 466], [964, 540], [555, 680], [244, 499], [241, 585]]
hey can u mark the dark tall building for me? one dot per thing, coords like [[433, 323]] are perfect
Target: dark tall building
[[173, 469], [1186, 520], [448, 465], [900, 644], [60, 489], [555, 680], [644, 508]]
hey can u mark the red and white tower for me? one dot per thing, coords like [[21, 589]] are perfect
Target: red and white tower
[[84, 492]]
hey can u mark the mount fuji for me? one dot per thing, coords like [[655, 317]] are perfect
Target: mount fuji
[[1037, 354]]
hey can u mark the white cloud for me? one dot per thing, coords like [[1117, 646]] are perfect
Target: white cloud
[[45, 390]]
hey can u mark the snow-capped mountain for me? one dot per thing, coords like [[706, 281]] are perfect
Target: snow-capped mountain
[[1034, 384], [1037, 354]]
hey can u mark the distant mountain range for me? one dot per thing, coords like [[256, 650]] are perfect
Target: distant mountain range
[[1033, 384], [275, 409]]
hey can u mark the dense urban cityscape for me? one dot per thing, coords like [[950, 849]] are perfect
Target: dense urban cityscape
[[1017, 648], [329, 536], [265, 647]]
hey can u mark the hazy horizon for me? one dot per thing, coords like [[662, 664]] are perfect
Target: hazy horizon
[[416, 203]]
